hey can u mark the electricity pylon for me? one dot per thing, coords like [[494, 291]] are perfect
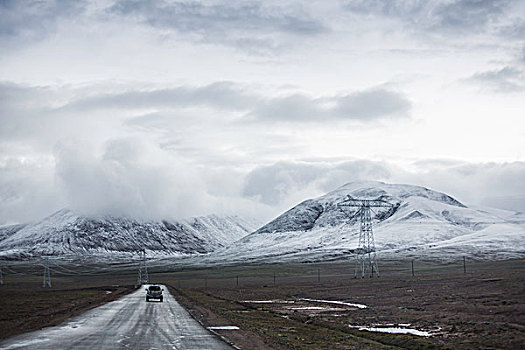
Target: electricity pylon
[[47, 275], [366, 259], [143, 269]]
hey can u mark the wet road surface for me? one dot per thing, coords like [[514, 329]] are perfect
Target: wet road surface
[[127, 323]]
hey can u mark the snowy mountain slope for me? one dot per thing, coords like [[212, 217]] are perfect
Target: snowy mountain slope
[[9, 230], [68, 233], [421, 222]]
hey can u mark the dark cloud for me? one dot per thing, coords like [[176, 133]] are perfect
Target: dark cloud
[[285, 182], [136, 178], [364, 105], [274, 183], [242, 24], [291, 108], [474, 183], [372, 104], [438, 17], [198, 17], [24, 21], [466, 15], [66, 112], [222, 95], [131, 177], [493, 184], [515, 30], [253, 26], [150, 121], [506, 79], [128, 179], [216, 124]]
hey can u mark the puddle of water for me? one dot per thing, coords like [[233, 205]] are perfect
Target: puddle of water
[[227, 328], [317, 308], [269, 301], [335, 302], [394, 330]]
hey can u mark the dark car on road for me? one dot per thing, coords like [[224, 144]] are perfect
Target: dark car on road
[[154, 292]]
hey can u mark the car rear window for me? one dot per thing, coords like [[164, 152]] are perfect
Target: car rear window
[[154, 288]]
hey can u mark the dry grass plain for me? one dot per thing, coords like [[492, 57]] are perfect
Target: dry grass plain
[[27, 306], [483, 308]]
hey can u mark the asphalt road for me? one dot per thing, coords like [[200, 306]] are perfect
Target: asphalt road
[[127, 323]]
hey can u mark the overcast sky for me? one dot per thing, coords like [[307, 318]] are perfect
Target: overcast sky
[[168, 108]]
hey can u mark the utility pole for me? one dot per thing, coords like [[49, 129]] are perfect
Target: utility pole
[[143, 269], [145, 277], [139, 279], [47, 275], [366, 261]]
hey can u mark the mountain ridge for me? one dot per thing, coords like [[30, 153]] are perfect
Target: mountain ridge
[[424, 222], [68, 233]]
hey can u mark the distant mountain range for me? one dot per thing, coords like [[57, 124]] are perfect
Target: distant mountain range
[[67, 233], [421, 222]]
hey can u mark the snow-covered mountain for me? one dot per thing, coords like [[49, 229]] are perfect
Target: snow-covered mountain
[[67, 233], [421, 222]]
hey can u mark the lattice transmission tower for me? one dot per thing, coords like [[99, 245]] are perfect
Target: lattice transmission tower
[[143, 269], [46, 281], [366, 258]]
